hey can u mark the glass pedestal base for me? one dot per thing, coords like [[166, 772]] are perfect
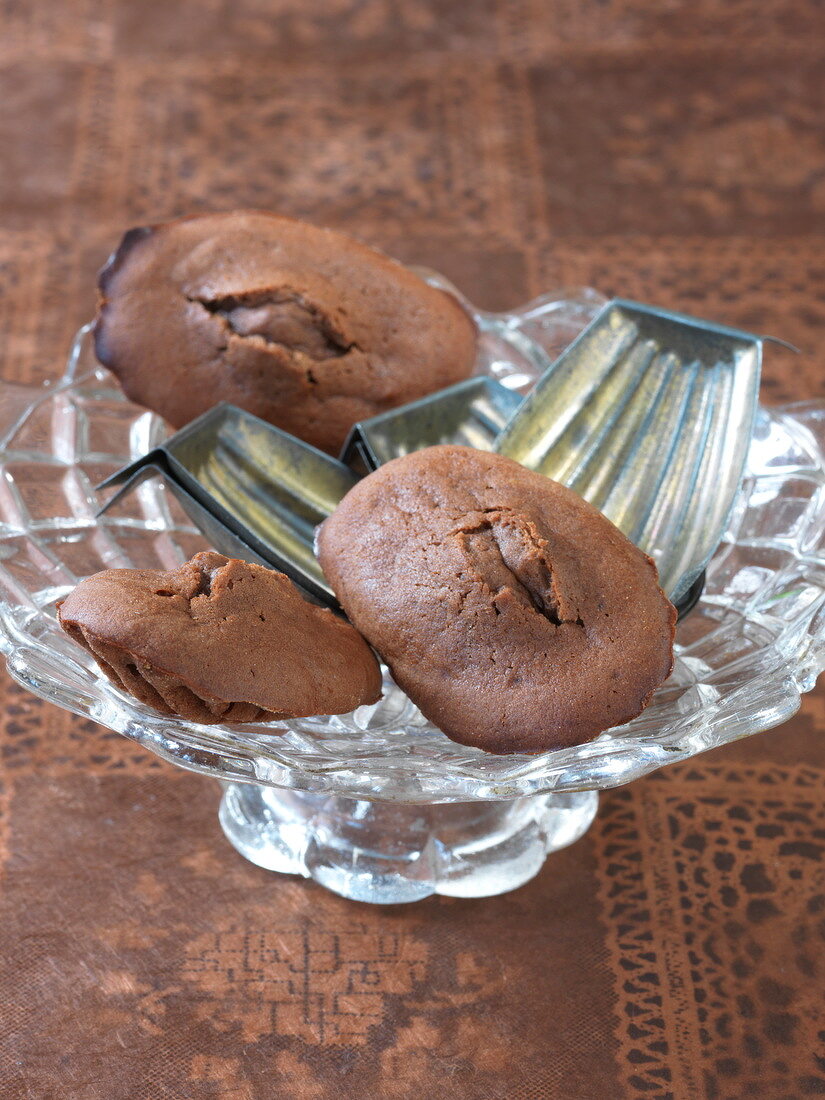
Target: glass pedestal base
[[390, 852]]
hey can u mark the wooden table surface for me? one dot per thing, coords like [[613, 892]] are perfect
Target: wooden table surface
[[668, 152]]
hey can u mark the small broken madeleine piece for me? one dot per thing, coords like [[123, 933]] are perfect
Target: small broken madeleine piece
[[301, 326], [220, 640], [513, 613]]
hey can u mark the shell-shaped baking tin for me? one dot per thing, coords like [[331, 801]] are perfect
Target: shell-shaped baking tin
[[648, 414], [258, 493], [471, 413], [255, 491]]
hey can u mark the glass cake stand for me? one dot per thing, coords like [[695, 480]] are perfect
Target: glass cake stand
[[378, 805]]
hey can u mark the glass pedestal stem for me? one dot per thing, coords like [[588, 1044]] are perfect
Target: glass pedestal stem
[[391, 852]]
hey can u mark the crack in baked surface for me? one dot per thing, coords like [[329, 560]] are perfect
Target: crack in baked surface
[[280, 316], [507, 554]]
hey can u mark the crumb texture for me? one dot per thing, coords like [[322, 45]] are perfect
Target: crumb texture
[[220, 640], [507, 556], [282, 317]]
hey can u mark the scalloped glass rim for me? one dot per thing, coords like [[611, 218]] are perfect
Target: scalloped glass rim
[[755, 641]]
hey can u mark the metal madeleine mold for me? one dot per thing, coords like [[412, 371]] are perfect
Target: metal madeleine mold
[[472, 413], [255, 491], [648, 414], [258, 493]]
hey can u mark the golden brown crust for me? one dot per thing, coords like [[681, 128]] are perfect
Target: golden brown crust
[[304, 327], [220, 640], [512, 613]]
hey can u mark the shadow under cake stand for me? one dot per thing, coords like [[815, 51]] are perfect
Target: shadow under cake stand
[[378, 805]]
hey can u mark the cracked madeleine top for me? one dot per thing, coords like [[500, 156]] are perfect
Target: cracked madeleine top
[[513, 613], [304, 327], [220, 640]]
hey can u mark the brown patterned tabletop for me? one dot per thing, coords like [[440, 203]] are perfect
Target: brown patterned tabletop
[[667, 152]]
